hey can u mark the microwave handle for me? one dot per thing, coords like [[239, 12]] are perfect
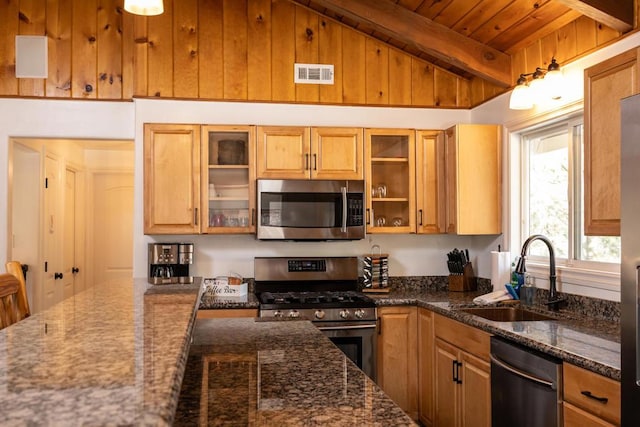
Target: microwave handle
[[344, 209]]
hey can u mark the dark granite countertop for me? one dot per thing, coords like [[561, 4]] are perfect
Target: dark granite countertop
[[590, 342], [113, 354], [284, 373], [585, 339]]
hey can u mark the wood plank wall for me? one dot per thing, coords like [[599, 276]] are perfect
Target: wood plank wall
[[242, 50]]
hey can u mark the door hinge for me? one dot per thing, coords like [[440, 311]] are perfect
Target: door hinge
[[46, 265]]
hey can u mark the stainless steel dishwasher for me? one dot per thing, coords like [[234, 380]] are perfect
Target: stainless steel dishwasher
[[526, 387]]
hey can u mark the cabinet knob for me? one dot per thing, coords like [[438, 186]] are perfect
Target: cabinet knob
[[75, 270], [57, 276]]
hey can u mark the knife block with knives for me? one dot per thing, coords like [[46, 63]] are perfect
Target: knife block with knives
[[461, 276]]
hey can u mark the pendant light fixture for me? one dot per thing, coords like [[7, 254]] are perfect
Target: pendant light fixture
[[544, 85], [144, 7]]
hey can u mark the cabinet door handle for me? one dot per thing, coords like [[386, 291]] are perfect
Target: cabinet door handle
[[591, 396], [420, 217], [306, 162], [367, 215], [458, 365], [315, 162], [195, 216], [57, 276], [253, 216], [75, 270]]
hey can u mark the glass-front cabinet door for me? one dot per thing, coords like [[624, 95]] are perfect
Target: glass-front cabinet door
[[228, 183], [390, 176]]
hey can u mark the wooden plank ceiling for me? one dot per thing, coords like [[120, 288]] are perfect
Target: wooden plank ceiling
[[470, 37]]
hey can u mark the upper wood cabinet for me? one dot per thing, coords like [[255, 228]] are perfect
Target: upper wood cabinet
[[605, 85], [397, 356], [390, 175], [286, 152], [171, 179], [430, 182], [473, 179], [199, 179], [228, 179]]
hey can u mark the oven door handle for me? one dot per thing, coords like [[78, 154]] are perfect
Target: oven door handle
[[345, 327], [344, 209]]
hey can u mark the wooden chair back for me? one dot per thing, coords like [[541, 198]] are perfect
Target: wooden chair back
[[15, 268], [9, 290]]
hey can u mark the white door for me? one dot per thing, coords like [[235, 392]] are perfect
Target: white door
[[69, 267], [112, 226], [52, 236]]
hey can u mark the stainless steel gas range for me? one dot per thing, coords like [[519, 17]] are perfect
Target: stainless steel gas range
[[325, 291]]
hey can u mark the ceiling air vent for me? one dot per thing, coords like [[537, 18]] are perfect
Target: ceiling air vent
[[319, 74]]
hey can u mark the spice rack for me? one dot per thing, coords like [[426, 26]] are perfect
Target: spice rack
[[376, 271]]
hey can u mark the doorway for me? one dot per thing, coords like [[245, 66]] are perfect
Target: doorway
[[63, 195]]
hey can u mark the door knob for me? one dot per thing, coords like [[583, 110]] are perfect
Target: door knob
[[75, 270], [57, 276]]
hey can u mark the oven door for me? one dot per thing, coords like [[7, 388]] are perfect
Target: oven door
[[357, 341]]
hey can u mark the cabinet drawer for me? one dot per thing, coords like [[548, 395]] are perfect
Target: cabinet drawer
[[578, 383], [227, 312], [468, 338], [576, 417]]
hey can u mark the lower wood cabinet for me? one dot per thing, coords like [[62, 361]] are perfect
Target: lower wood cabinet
[[227, 312], [426, 388], [397, 356], [462, 375], [589, 399]]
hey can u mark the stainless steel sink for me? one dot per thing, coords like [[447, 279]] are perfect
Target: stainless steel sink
[[506, 314]]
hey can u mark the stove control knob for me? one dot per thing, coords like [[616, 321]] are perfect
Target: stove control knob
[[359, 313], [277, 313], [320, 314], [294, 314], [344, 314]]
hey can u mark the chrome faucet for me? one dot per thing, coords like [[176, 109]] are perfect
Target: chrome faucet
[[554, 302]]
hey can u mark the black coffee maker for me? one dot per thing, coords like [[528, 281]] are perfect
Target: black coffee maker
[[170, 263]]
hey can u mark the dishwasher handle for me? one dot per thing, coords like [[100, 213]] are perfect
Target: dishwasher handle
[[521, 373]]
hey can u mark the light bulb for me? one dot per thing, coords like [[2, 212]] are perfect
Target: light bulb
[[521, 96], [144, 7]]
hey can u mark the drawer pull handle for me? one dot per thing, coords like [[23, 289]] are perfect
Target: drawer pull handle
[[591, 396]]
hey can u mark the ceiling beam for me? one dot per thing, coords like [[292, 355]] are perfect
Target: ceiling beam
[[616, 14], [427, 36]]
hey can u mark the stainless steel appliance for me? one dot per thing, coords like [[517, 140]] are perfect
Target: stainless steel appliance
[[310, 210], [323, 290], [630, 262], [170, 263], [526, 388]]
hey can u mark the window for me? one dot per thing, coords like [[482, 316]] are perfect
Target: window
[[552, 196]]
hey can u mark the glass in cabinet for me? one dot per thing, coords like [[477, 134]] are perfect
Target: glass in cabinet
[[228, 185], [390, 161]]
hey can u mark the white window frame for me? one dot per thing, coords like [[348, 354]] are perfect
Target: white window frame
[[595, 279]]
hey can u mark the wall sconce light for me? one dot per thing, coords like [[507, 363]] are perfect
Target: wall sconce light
[[545, 84], [144, 7]]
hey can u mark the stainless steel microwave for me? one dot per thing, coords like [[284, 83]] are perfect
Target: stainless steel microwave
[[294, 209]]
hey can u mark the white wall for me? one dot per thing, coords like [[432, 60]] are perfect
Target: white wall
[[35, 118]]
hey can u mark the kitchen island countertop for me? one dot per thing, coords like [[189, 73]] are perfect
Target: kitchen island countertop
[[113, 354], [278, 372]]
